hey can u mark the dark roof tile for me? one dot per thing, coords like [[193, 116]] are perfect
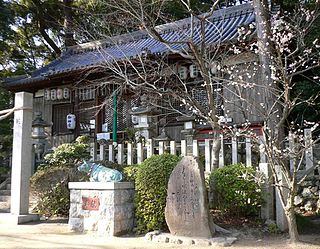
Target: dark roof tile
[[221, 27]]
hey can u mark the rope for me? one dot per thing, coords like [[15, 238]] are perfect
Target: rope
[[6, 113]]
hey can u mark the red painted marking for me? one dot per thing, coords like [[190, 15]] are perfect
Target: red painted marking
[[90, 203]]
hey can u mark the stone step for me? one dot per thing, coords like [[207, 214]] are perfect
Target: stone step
[[5, 192], [5, 198]]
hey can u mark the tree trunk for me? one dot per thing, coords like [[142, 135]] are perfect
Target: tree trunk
[[42, 28], [292, 223], [69, 41]]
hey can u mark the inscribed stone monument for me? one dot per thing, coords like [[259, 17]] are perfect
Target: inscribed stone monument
[[186, 211]]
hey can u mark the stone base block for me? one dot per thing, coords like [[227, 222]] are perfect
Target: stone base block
[[14, 219], [106, 209]]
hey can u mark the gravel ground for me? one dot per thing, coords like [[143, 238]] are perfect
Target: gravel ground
[[55, 234]]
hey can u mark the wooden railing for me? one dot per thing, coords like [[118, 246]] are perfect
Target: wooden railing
[[233, 150]]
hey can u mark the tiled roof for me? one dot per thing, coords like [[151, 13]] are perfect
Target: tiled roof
[[221, 27]]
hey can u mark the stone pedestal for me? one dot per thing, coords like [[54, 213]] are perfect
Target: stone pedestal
[[105, 208]]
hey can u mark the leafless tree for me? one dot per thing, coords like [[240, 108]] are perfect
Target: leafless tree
[[284, 52], [281, 53]]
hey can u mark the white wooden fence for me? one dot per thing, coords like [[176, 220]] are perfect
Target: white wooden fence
[[137, 153], [233, 150]]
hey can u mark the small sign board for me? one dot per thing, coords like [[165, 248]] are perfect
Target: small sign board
[[90, 203]]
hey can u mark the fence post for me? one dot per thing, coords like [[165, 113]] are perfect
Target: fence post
[[173, 147], [234, 146], [281, 218], [129, 154], [102, 152], [207, 155], [309, 149], [195, 148], [150, 148], [267, 209], [120, 154], [139, 153], [93, 151], [111, 153], [221, 153], [263, 157], [183, 147], [161, 147], [248, 152]]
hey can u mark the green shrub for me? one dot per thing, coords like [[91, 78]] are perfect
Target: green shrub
[[130, 173], [50, 182], [236, 190], [69, 154], [54, 201], [151, 182]]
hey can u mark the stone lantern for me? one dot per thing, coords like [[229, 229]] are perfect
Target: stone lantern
[[144, 119], [39, 138], [189, 131], [163, 140]]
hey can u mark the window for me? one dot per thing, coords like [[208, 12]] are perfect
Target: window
[[59, 115]]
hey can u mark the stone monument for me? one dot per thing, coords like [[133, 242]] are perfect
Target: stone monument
[[186, 211]]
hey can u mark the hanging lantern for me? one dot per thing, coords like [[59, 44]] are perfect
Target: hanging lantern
[[183, 72], [53, 94], [47, 94], [193, 71], [66, 93], [59, 94]]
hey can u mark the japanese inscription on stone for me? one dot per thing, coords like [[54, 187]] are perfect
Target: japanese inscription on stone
[[90, 203], [186, 210]]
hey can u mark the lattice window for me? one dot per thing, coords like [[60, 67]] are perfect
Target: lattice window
[[86, 93], [123, 109], [200, 95], [59, 115], [87, 112], [108, 113], [169, 109]]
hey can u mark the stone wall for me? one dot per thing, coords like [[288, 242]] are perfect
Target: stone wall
[[308, 201], [107, 208]]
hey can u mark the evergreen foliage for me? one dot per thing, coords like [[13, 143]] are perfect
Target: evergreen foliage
[[236, 190], [151, 191], [50, 182]]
